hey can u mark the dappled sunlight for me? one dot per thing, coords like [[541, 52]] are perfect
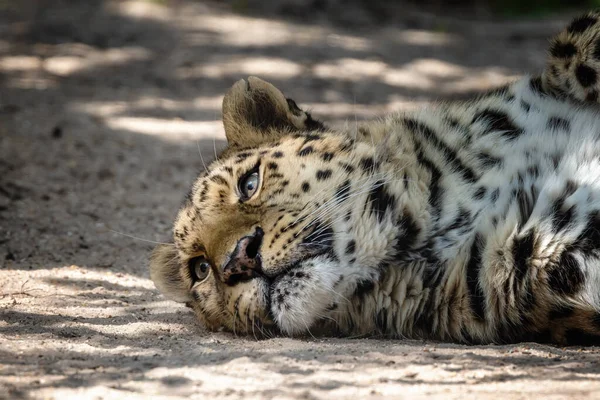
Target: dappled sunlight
[[273, 67], [169, 129], [70, 64]]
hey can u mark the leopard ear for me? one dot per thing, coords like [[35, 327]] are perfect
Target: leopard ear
[[256, 112], [168, 275]]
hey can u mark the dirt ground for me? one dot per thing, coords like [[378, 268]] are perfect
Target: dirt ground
[[104, 109]]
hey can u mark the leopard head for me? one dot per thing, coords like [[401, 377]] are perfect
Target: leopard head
[[278, 233]]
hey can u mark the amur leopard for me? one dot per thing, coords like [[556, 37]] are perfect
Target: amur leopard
[[469, 221]]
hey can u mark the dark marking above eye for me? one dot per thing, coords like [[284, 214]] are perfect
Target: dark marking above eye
[[586, 75], [306, 151], [563, 50], [272, 166], [218, 179], [324, 174], [581, 24]]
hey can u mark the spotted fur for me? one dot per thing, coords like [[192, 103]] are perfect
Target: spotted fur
[[473, 222]]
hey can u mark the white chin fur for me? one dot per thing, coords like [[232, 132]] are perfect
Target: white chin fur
[[305, 298]]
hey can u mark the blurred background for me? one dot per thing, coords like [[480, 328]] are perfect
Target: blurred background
[[109, 109]]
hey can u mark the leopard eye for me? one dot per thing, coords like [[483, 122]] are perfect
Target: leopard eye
[[199, 268], [248, 184]]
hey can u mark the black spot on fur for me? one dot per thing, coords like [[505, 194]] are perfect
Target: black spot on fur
[[566, 278], [589, 241], [592, 96], [525, 106], [341, 194], [380, 201], [449, 154], [305, 187], [561, 217], [435, 190], [277, 154], [489, 160], [526, 200], [480, 193], [586, 75], [305, 151], [536, 86], [364, 287], [563, 50], [327, 156], [522, 250], [476, 296], [347, 167], [351, 247], [367, 164], [320, 238], [498, 121], [311, 137], [273, 166], [324, 174], [495, 194], [581, 24], [408, 234], [558, 123]]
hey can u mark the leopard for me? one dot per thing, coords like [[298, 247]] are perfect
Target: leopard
[[472, 221]]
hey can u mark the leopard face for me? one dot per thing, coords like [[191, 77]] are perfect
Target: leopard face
[[263, 233]]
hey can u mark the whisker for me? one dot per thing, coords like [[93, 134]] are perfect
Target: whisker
[[141, 239], [201, 158]]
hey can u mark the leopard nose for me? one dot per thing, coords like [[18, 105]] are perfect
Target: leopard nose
[[245, 262]]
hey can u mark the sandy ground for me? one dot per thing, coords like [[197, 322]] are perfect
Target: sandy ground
[[104, 109]]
